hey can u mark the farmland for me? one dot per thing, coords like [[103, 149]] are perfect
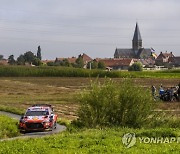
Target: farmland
[[17, 93]]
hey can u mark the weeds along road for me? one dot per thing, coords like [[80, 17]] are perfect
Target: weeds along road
[[59, 128]]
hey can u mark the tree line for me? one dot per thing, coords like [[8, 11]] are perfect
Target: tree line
[[27, 58], [79, 63]]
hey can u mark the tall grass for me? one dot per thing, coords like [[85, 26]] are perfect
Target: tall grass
[[8, 127], [25, 71]]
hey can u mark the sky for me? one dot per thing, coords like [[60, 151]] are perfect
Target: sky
[[66, 28]]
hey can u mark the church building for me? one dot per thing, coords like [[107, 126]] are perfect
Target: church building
[[137, 51]]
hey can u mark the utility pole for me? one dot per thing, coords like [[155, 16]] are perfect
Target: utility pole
[[90, 65]]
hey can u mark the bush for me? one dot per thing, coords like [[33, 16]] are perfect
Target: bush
[[108, 104], [136, 67]]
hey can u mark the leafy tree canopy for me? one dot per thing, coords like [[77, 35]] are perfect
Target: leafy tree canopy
[[136, 67], [11, 60]]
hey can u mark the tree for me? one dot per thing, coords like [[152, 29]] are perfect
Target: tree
[[136, 67], [50, 64], [1, 57], [101, 65], [65, 62], [29, 57], [79, 62], [36, 61], [21, 60], [92, 65], [39, 53], [11, 60]]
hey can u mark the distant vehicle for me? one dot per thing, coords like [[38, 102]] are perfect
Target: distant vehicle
[[169, 95], [39, 117]]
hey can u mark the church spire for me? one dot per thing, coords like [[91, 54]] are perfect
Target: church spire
[[137, 40]]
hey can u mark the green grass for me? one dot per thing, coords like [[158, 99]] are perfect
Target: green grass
[[24, 71], [8, 127], [18, 93], [12, 109], [93, 141]]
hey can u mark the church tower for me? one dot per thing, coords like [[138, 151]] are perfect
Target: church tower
[[137, 40]]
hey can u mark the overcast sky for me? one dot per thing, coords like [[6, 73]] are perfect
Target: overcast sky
[[66, 28]]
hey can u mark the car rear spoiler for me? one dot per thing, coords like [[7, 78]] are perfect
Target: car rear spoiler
[[46, 105]]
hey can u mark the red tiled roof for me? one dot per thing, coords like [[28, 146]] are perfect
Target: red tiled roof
[[174, 59], [46, 61], [86, 58], [70, 60], [3, 62], [165, 55], [116, 62], [148, 61]]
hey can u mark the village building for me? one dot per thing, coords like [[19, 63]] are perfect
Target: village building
[[45, 62], [86, 59], [117, 63], [4, 62], [174, 61], [163, 58], [137, 51], [70, 60], [147, 63]]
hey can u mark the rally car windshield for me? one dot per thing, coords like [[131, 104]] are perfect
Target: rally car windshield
[[37, 113]]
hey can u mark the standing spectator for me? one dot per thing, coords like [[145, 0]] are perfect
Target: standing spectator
[[171, 93], [153, 88], [161, 90], [178, 91]]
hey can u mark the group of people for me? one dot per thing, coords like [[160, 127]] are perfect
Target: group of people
[[170, 94]]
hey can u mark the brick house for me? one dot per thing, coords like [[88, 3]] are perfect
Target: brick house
[[174, 61], [117, 63], [86, 59], [4, 62], [70, 60], [163, 58]]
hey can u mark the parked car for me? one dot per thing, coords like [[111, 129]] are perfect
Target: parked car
[[39, 117]]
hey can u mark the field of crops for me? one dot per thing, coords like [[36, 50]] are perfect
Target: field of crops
[[24, 71]]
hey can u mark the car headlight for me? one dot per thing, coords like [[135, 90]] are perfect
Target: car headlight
[[22, 121]]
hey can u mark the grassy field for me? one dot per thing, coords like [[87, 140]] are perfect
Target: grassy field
[[24, 71], [8, 127], [18, 93], [94, 141]]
